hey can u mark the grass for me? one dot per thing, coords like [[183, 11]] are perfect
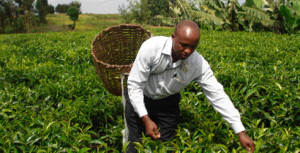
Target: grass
[[86, 22], [51, 99]]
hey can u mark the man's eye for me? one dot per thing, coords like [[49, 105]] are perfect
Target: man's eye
[[183, 45]]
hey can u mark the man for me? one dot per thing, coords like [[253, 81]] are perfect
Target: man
[[162, 68]]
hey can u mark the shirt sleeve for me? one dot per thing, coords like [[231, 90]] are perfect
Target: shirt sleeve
[[138, 76], [218, 98]]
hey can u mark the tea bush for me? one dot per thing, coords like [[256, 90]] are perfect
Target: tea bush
[[51, 99]]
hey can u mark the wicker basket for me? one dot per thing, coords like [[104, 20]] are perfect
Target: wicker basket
[[114, 50]]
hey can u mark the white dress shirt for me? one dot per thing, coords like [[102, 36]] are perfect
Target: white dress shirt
[[154, 75]]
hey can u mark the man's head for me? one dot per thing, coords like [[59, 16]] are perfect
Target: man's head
[[185, 39]]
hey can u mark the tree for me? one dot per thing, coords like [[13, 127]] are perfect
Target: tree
[[284, 14], [214, 13], [41, 6], [182, 9], [17, 16], [233, 15], [23, 15], [158, 8], [125, 13], [4, 14], [28, 7], [61, 8], [73, 13], [291, 16], [281, 15], [50, 9], [254, 13], [136, 10], [177, 10], [76, 4], [142, 12]]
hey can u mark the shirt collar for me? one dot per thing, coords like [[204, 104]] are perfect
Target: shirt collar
[[168, 50], [168, 47]]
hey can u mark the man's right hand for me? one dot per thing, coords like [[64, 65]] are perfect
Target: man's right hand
[[150, 127]]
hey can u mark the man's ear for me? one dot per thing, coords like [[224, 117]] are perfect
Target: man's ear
[[173, 36]]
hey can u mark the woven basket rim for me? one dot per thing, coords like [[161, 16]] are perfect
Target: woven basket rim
[[110, 65], [108, 29]]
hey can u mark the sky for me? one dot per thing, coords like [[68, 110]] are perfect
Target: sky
[[99, 6], [94, 6]]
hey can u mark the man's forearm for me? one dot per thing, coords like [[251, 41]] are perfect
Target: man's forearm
[[136, 97], [146, 119]]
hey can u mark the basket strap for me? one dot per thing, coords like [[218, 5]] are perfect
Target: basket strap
[[125, 131]]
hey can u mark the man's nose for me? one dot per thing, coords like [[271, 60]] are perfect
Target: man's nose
[[188, 50]]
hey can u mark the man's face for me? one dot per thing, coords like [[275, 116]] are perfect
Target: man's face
[[183, 46]]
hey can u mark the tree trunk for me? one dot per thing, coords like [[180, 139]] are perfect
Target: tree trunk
[[250, 27], [74, 24]]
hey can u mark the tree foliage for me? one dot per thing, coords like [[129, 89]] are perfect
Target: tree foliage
[[254, 13], [16, 16], [136, 11], [291, 16], [41, 6], [50, 9], [146, 11], [76, 4], [61, 8], [73, 13], [281, 16]]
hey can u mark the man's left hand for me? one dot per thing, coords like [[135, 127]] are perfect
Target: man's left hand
[[246, 142]]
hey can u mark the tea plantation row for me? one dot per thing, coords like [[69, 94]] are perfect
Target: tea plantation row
[[51, 99]]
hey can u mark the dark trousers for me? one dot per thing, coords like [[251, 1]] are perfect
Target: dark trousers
[[164, 112]]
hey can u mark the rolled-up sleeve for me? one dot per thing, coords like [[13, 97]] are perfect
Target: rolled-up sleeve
[[218, 98]]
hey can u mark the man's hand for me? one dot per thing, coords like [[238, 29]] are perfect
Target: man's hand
[[246, 142], [150, 127]]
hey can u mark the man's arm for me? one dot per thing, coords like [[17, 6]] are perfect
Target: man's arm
[[138, 76], [220, 101]]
